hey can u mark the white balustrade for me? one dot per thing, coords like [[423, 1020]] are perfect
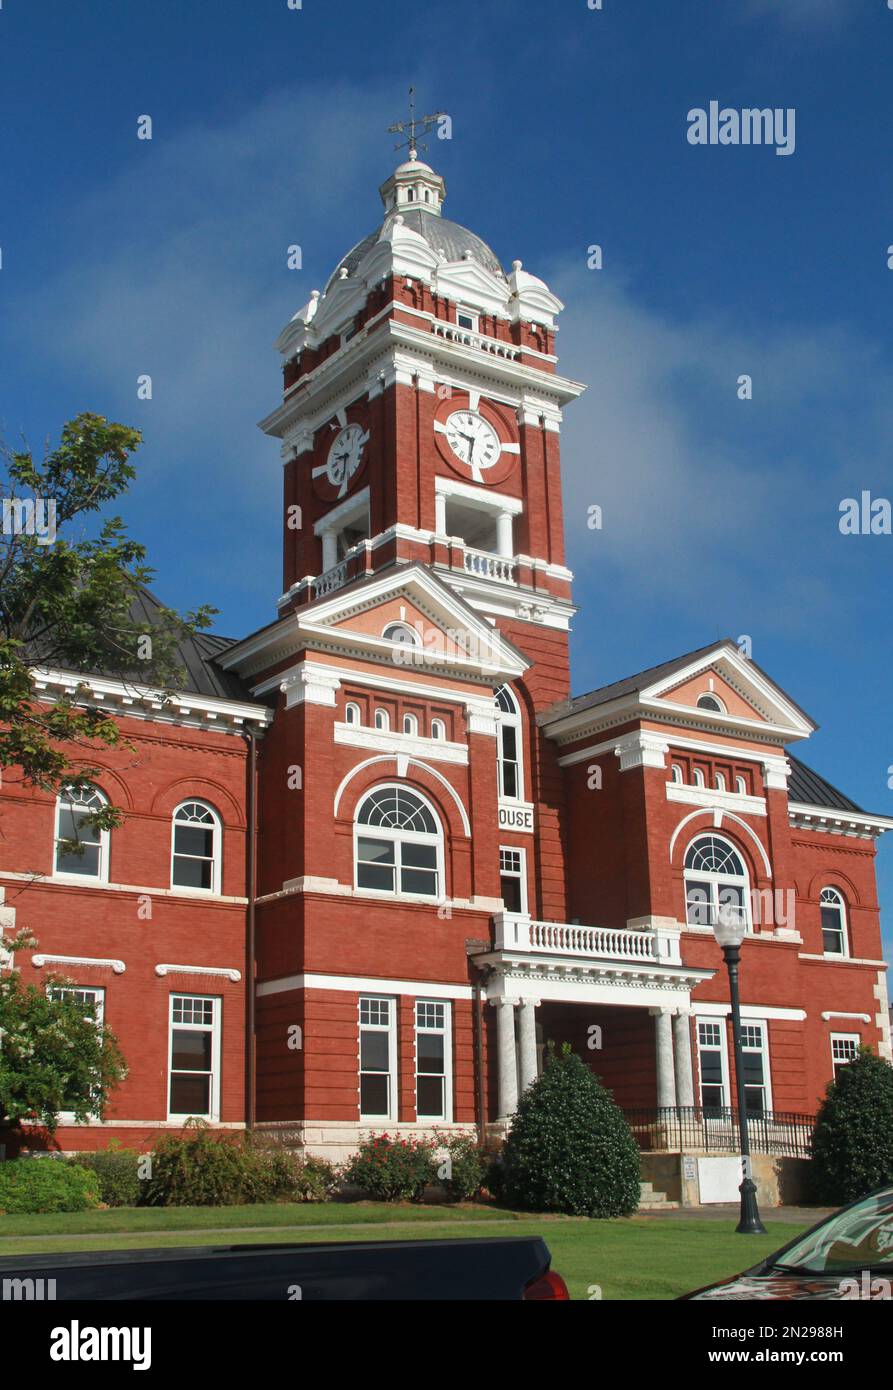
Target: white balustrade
[[653, 945], [487, 566]]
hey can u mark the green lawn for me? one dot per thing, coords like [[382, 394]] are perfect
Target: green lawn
[[641, 1258]]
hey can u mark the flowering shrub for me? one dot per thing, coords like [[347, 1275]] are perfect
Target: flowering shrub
[[389, 1169], [460, 1166]]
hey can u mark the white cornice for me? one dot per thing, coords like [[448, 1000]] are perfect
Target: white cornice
[[224, 971], [710, 797], [142, 702], [44, 958], [831, 821]]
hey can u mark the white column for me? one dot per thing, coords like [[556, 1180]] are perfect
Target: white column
[[440, 521], [663, 1037], [685, 1083], [527, 1041], [329, 550], [504, 543], [507, 1061]]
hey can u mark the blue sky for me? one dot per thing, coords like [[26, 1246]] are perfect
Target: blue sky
[[121, 257]]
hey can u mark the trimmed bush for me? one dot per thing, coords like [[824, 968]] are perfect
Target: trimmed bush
[[198, 1169], [46, 1184], [570, 1148], [117, 1171], [393, 1170], [462, 1170], [852, 1145]]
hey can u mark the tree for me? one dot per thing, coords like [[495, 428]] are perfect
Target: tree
[[852, 1144], [53, 1056], [67, 600], [570, 1148]]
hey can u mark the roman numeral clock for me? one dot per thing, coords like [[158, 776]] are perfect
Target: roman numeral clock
[[340, 457], [474, 439]]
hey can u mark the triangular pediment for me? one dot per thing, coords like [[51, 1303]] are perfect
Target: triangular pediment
[[438, 630], [726, 677]]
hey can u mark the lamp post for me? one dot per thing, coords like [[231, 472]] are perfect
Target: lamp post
[[728, 929]]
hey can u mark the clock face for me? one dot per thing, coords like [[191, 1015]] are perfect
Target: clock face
[[344, 458], [473, 440]]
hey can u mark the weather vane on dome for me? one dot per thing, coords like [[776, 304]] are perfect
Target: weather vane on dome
[[414, 127]]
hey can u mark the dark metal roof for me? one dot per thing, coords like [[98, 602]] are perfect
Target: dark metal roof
[[808, 788], [603, 694], [196, 655], [441, 235]]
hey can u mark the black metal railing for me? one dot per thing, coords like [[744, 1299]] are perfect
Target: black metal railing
[[715, 1129]]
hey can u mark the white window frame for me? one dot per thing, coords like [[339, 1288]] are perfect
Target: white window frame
[[720, 782], [676, 774], [472, 314], [446, 1032], [392, 1074], [410, 725], [382, 721], [353, 714], [515, 721], [438, 730], [408, 637], [217, 852], [63, 803], [98, 992], [741, 786], [839, 901], [711, 695], [521, 875], [372, 832], [763, 1050], [215, 1030], [844, 1038], [697, 778], [723, 1049], [716, 880]]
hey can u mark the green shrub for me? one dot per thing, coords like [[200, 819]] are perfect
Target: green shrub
[[462, 1171], [118, 1172], [852, 1145], [570, 1148], [201, 1169], [316, 1180], [393, 1170], [46, 1184]]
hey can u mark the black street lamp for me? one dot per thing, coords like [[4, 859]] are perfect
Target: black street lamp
[[729, 931]]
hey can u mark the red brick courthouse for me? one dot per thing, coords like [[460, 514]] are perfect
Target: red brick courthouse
[[438, 857]]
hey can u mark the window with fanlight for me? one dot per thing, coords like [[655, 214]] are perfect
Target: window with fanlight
[[716, 881], [81, 848], [398, 844], [196, 848], [834, 930], [511, 771]]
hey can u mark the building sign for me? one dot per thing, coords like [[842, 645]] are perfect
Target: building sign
[[516, 815]]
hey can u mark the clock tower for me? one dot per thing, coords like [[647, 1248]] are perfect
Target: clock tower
[[420, 424]]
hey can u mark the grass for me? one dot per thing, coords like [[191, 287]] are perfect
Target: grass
[[640, 1258]]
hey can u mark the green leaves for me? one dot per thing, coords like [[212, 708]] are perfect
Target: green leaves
[[852, 1145], [73, 597], [53, 1056], [570, 1148]]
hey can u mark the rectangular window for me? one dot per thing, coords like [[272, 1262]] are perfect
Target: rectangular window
[[378, 1058], [844, 1049], [87, 998], [433, 1060], [712, 1064], [755, 1057], [194, 1057], [833, 939], [466, 319], [513, 879]]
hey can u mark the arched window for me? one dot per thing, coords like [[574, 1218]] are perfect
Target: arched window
[[715, 880], [438, 729], [676, 774], [720, 782], [81, 848], [511, 774], [195, 848], [740, 786], [352, 714], [711, 702], [698, 777], [398, 844], [401, 633], [410, 724], [834, 936], [382, 720]]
